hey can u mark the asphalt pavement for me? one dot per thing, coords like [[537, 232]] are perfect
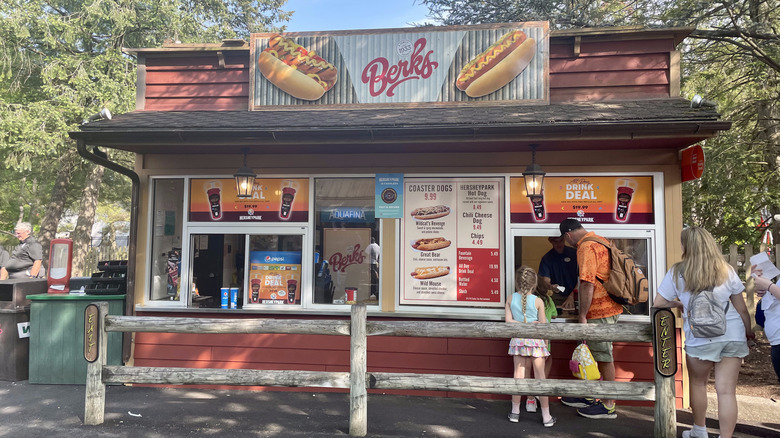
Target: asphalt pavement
[[29, 410]]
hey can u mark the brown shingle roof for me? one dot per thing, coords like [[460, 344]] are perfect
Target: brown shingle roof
[[662, 118]]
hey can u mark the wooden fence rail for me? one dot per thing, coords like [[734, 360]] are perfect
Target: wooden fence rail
[[359, 380]]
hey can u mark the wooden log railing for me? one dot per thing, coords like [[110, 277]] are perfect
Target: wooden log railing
[[359, 379]]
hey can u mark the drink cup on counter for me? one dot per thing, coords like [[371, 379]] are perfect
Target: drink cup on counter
[[224, 293], [292, 286], [288, 195], [234, 298], [351, 293]]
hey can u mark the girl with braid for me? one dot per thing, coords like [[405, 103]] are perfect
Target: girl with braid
[[524, 306]]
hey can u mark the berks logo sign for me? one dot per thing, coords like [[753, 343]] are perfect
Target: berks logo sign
[[394, 68]]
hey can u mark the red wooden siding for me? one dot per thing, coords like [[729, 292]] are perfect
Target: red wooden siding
[[468, 356], [612, 70], [197, 83]]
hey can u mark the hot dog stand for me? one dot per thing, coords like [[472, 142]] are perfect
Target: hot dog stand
[[598, 109]]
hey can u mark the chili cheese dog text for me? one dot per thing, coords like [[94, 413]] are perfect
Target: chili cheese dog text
[[297, 71], [498, 65]]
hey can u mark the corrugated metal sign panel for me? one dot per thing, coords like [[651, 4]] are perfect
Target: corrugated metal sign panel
[[407, 66]]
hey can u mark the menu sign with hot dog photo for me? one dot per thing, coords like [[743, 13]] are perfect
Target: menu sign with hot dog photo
[[508, 61], [452, 242]]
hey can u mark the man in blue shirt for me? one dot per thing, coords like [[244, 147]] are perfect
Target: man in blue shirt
[[559, 268]]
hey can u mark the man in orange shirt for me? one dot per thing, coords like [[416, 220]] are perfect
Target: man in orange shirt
[[596, 307]]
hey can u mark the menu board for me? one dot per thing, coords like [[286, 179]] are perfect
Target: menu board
[[452, 231]]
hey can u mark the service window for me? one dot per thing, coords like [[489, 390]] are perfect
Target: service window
[[532, 246], [166, 239], [346, 241], [235, 271]]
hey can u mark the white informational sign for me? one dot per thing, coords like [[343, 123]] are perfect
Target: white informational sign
[[452, 234], [24, 329]]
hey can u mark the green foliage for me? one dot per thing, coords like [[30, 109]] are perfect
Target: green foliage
[[732, 57], [62, 60], [562, 14]]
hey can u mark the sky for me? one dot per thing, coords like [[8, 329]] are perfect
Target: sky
[[320, 15]]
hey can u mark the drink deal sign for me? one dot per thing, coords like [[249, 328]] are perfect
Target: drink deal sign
[[589, 199], [274, 277], [272, 200]]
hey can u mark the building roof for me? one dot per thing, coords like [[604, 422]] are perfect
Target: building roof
[[591, 33], [667, 123]]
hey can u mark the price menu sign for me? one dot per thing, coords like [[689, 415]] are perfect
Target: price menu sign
[[452, 231]]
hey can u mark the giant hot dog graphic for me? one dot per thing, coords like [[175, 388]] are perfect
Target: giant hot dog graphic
[[498, 65], [297, 71]]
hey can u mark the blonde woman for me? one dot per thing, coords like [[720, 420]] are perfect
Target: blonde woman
[[524, 306], [703, 268]]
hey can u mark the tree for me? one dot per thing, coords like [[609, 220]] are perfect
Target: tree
[[733, 57], [61, 61], [562, 14]]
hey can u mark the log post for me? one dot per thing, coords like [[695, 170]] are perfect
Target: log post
[[95, 393], [358, 397], [665, 410]]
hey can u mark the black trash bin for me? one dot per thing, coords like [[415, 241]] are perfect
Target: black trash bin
[[15, 326]]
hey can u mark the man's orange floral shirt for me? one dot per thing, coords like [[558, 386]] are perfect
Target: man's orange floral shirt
[[593, 261]]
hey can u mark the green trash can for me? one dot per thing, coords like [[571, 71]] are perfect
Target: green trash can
[[15, 326], [57, 338]]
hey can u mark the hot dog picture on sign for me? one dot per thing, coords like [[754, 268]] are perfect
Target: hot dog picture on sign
[[425, 64], [498, 65], [299, 72]]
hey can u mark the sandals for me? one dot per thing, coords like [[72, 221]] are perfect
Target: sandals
[[550, 423]]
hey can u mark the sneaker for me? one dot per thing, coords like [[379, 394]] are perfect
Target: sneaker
[[514, 418], [598, 411], [530, 405], [692, 434], [575, 402]]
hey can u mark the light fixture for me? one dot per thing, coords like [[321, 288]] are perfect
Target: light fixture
[[103, 114], [534, 176], [245, 179], [698, 102]]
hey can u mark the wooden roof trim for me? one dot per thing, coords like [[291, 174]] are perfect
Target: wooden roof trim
[[563, 36]]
